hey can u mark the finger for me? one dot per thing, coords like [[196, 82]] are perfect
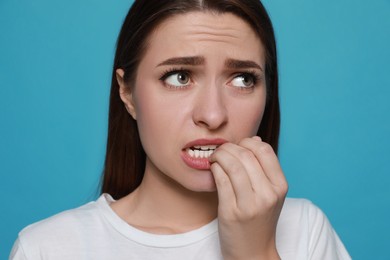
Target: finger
[[236, 171], [253, 168], [225, 190], [268, 160]]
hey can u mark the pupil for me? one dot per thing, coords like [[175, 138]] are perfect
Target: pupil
[[182, 78], [247, 80]]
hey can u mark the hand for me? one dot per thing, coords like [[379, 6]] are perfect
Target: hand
[[251, 191]]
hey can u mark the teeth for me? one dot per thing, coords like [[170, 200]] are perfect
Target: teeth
[[206, 147], [201, 151]]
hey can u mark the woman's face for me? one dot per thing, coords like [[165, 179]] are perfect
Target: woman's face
[[200, 84]]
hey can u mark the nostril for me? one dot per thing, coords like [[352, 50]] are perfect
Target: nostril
[[210, 110]]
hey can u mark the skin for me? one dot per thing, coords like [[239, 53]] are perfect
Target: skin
[[245, 186]]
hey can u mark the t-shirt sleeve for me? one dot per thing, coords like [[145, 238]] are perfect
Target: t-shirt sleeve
[[17, 252], [324, 243]]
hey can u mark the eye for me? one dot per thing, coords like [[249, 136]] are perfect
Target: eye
[[177, 79], [244, 80]]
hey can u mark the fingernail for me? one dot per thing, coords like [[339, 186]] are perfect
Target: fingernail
[[211, 158]]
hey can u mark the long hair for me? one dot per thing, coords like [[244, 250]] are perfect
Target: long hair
[[125, 158]]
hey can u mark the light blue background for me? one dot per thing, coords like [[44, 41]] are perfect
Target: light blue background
[[55, 66]]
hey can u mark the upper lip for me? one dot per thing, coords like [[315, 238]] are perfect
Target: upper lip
[[205, 141]]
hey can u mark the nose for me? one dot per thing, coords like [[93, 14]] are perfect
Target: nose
[[209, 108]]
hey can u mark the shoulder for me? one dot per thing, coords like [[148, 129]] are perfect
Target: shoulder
[[303, 215], [66, 220], [298, 208], [63, 230], [305, 226], [296, 215]]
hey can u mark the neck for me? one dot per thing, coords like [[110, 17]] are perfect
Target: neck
[[161, 205]]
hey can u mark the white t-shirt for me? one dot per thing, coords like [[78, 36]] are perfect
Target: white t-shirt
[[94, 231]]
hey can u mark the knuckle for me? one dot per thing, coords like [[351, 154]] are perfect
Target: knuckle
[[246, 154], [236, 168], [271, 200], [245, 140], [265, 148], [284, 188], [236, 214], [250, 213]]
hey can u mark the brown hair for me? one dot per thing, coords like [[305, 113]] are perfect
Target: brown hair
[[125, 158]]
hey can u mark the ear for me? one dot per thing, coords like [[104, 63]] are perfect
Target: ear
[[125, 93]]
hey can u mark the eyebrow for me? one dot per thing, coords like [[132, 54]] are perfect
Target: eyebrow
[[242, 64], [199, 60], [192, 60]]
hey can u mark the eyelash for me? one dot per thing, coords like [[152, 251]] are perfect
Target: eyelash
[[172, 71], [256, 77]]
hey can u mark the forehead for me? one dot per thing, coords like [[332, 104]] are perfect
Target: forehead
[[193, 33]]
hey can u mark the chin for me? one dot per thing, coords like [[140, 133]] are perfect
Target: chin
[[204, 189], [206, 184]]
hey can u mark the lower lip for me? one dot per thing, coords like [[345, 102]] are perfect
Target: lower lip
[[195, 163]]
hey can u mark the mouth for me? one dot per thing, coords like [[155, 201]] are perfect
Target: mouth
[[201, 151], [196, 154]]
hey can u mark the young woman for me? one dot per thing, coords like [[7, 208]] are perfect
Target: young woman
[[191, 169]]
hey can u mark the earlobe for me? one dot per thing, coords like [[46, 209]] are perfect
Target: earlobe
[[125, 93]]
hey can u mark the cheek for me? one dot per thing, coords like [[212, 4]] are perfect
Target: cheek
[[148, 118], [254, 120], [247, 117]]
